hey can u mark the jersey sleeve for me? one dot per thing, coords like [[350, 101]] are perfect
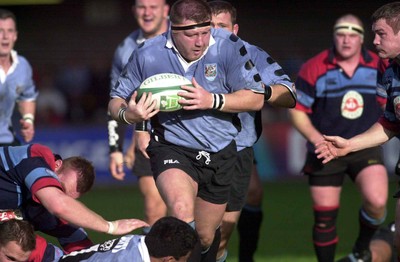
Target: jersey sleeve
[[45, 252], [129, 79], [241, 72], [305, 87], [40, 170], [29, 91]]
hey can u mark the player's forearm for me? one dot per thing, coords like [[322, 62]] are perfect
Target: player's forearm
[[376, 135], [282, 96], [71, 210], [243, 101], [302, 123], [114, 106], [27, 107]]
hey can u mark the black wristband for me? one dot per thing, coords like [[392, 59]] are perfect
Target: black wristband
[[218, 101], [268, 93], [141, 126]]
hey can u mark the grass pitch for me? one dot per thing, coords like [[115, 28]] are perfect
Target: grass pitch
[[287, 223]]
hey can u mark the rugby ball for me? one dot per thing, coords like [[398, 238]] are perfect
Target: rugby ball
[[164, 88]]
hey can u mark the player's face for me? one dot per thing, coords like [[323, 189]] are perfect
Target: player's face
[[8, 36], [151, 16], [69, 181], [192, 43], [223, 21], [13, 252], [387, 43], [348, 45]]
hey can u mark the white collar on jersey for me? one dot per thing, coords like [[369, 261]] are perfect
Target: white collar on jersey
[[170, 44], [144, 252], [140, 39], [15, 62]]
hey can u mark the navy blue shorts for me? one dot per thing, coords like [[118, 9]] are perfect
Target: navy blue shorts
[[212, 171], [241, 179], [142, 165], [333, 173]]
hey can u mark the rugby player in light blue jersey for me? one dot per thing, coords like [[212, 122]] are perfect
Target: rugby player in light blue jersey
[[16, 84], [192, 151]]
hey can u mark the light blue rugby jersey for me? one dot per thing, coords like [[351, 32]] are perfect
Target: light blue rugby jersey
[[127, 248], [123, 52], [17, 86], [271, 74], [224, 68]]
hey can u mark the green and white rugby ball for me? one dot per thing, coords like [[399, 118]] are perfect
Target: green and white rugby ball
[[164, 88]]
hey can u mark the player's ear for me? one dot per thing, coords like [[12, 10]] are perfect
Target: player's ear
[[166, 10], [58, 164], [235, 29]]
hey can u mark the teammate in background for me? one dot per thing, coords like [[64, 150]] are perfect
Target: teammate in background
[[169, 239], [336, 93], [45, 188], [245, 179], [386, 27], [195, 184], [17, 84], [152, 18]]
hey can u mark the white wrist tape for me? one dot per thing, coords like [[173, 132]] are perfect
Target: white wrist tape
[[111, 228], [30, 118]]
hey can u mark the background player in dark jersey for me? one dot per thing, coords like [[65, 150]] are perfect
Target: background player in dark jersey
[[16, 84], [336, 93], [386, 27], [30, 175], [224, 16], [152, 19]]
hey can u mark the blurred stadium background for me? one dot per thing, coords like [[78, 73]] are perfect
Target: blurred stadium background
[[70, 44]]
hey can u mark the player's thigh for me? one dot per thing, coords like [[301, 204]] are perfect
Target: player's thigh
[[148, 187], [325, 195], [179, 191], [372, 182], [256, 191]]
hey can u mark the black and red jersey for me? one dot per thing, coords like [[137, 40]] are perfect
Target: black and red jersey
[[339, 104]]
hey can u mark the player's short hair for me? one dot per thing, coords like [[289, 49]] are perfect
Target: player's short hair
[[197, 11], [170, 236], [5, 14], [220, 6], [20, 231], [85, 170], [391, 13]]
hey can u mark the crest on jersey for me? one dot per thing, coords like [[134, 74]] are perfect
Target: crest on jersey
[[352, 105], [210, 71], [396, 104]]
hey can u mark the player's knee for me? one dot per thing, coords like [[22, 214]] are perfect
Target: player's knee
[[375, 218], [206, 240], [324, 230], [325, 217], [183, 210]]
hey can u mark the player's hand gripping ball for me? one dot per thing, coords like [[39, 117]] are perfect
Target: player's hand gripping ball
[[164, 88]]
